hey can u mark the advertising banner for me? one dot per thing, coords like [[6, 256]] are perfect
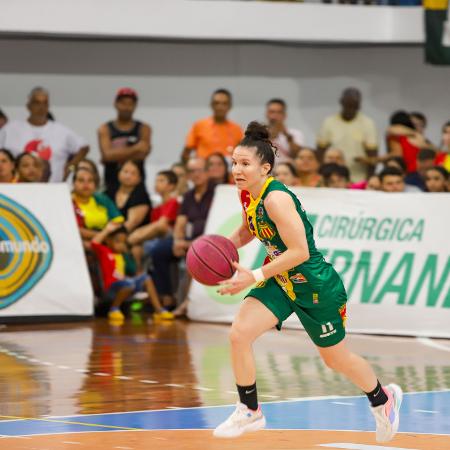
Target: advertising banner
[[392, 251], [43, 270]]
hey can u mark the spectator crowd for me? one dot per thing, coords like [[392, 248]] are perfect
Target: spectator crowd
[[133, 246]]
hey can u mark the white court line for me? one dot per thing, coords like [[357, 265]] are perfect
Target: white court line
[[201, 388], [426, 411], [349, 446], [149, 381], [268, 396], [102, 374], [343, 403], [123, 377], [174, 385], [430, 343]]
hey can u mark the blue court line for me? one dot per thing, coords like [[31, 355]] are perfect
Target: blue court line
[[323, 414]]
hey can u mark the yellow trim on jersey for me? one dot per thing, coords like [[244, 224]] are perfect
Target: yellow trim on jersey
[[251, 208]]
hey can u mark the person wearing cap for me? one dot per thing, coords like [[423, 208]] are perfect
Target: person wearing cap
[[123, 138], [58, 147], [354, 133]]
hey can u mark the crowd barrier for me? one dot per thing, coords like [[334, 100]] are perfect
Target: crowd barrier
[[392, 251], [43, 272]]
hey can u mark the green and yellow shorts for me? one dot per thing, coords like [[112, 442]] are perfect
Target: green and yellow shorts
[[322, 314]]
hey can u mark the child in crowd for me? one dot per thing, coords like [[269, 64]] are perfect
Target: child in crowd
[[118, 272]]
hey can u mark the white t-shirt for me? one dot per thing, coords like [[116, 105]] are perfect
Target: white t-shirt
[[52, 142], [282, 144]]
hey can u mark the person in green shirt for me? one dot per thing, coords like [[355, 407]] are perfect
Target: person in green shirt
[[294, 279]]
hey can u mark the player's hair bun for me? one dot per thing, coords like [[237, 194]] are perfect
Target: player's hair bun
[[257, 132]]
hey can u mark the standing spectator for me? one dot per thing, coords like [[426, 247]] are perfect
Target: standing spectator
[[285, 173], [182, 185], [425, 161], [190, 223], [7, 167], [216, 133], [335, 176], [217, 168], [307, 167], [3, 119], [437, 179], [404, 140], [29, 168], [53, 142], [288, 141], [93, 210], [352, 132], [131, 196], [419, 121], [123, 138], [334, 155]]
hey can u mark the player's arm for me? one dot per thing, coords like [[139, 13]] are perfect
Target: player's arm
[[242, 235], [281, 209]]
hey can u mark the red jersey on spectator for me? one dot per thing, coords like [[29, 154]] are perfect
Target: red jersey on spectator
[[113, 266], [168, 209], [409, 152]]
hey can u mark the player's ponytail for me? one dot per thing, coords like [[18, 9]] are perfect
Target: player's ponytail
[[257, 135]]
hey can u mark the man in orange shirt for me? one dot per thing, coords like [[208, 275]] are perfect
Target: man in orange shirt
[[214, 134]]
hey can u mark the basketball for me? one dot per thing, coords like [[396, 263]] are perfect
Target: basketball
[[209, 259]]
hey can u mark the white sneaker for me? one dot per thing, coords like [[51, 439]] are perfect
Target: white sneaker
[[387, 416], [241, 421]]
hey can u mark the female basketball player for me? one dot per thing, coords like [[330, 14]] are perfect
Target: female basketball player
[[295, 279]]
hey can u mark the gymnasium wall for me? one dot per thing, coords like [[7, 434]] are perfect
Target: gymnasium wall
[[175, 80]]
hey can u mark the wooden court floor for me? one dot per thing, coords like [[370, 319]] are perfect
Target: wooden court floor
[[164, 385]]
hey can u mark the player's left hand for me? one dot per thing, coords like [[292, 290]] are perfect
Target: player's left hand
[[242, 279]]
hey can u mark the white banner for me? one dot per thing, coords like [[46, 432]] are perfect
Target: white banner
[[43, 270], [392, 251]]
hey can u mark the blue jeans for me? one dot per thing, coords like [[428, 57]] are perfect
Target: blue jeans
[[135, 283], [162, 257]]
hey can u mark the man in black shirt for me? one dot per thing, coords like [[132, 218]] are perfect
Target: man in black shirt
[[124, 138]]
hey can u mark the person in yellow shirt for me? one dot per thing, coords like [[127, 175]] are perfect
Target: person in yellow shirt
[[215, 134], [352, 132]]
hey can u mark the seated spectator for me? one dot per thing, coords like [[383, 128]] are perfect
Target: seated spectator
[[425, 161], [58, 146], [286, 173], [162, 217], [392, 180], [93, 209], [288, 141], [352, 132], [217, 168], [117, 267], [90, 165], [3, 119], [307, 167], [182, 184], [7, 167], [404, 140], [124, 138], [216, 133], [437, 179], [29, 168], [443, 156], [399, 163], [190, 223], [335, 176], [373, 183], [334, 155], [131, 196]]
